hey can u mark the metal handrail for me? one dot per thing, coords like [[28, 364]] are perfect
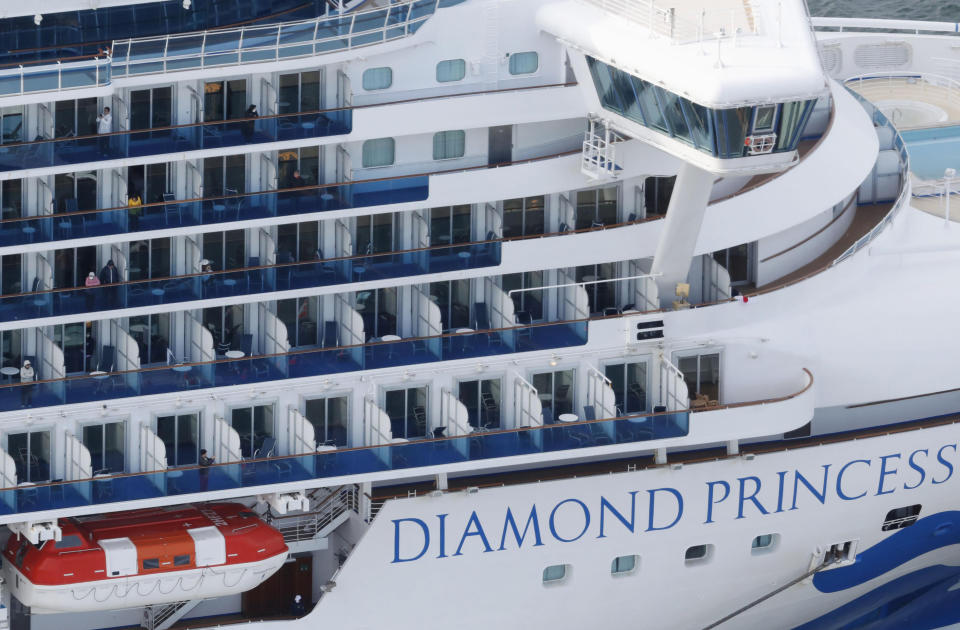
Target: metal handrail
[[874, 24], [217, 48], [905, 185], [951, 86], [664, 21]]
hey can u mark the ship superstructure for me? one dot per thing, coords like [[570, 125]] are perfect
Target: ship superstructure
[[459, 296]]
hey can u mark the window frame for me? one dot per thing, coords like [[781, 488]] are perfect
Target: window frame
[[523, 55], [440, 141], [614, 572], [462, 68], [367, 153], [176, 435], [551, 581], [366, 73]]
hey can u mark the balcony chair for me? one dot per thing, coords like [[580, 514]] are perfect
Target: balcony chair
[[524, 335], [547, 415], [107, 356], [331, 335], [171, 209], [482, 323], [254, 278]]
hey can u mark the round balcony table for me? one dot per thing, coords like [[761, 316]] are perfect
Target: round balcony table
[[567, 417]]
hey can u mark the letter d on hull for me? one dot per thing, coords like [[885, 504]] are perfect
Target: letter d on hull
[[424, 532]]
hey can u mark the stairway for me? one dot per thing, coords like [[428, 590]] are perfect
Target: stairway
[[598, 160], [162, 616]]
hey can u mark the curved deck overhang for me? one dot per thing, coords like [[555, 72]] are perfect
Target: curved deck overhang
[[827, 175]]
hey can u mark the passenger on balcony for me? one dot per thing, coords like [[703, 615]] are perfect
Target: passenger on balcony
[[247, 127], [91, 281], [296, 181], [110, 275], [27, 377], [133, 203], [104, 126]]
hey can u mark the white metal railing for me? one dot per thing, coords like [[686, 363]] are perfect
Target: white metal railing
[[260, 43], [695, 25], [926, 81], [302, 527], [881, 120], [674, 394], [599, 151], [857, 24]]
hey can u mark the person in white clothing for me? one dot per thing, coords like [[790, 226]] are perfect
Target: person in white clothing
[[27, 377], [104, 126]]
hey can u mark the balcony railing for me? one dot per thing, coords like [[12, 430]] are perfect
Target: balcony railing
[[294, 364], [250, 280], [265, 43], [403, 455], [213, 210], [175, 139], [30, 78], [256, 43]]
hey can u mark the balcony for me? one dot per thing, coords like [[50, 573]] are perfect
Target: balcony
[[260, 43], [475, 447], [174, 139], [219, 47], [294, 364], [249, 281], [213, 210]]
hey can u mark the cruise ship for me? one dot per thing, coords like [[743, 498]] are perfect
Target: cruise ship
[[477, 314]]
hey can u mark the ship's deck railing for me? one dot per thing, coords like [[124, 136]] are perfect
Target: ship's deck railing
[[397, 456], [64, 75], [945, 86], [306, 526], [251, 280], [698, 25], [877, 24], [259, 43], [224, 47], [210, 134], [296, 363], [880, 120]]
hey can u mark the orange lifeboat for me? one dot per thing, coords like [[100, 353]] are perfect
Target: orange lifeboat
[[144, 557]]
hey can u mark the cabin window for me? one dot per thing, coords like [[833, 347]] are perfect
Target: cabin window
[[622, 565], [697, 553], [68, 542], [524, 62], [554, 574], [901, 517], [378, 152], [451, 70], [181, 561], [448, 145], [152, 563], [377, 78], [764, 543]]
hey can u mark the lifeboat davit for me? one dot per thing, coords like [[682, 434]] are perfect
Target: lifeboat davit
[[144, 557]]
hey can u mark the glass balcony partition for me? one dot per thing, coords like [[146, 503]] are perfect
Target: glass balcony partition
[[175, 139], [248, 281], [478, 446], [98, 386], [213, 210]]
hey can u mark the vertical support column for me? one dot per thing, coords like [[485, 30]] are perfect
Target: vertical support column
[[688, 203], [365, 507]]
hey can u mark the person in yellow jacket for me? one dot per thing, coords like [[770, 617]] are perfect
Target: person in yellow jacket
[[133, 204]]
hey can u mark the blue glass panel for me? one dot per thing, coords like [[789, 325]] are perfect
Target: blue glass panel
[[229, 372], [259, 37], [232, 283], [477, 446], [296, 33], [79, 77], [40, 81], [185, 45], [369, 21]]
